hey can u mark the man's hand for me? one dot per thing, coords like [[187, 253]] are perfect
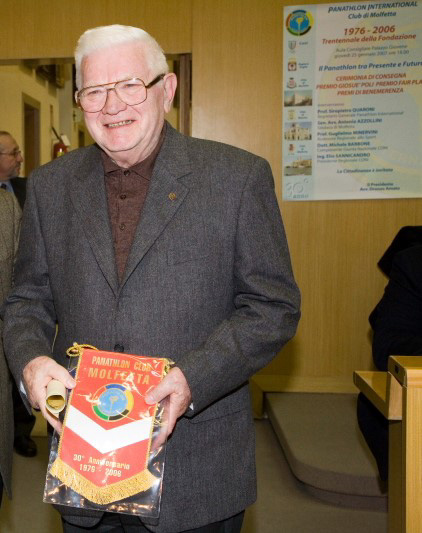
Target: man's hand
[[36, 375], [174, 386]]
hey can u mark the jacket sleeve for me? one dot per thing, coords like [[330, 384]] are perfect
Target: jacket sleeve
[[266, 299], [29, 316], [9, 236]]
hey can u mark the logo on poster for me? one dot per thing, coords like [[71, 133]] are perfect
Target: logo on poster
[[292, 64], [299, 22]]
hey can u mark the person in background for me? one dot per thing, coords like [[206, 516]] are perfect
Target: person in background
[[151, 242], [10, 165], [396, 322], [10, 215]]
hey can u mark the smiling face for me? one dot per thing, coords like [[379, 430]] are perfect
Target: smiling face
[[128, 134], [10, 164]]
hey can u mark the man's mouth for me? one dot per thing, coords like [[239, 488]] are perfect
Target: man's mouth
[[117, 124]]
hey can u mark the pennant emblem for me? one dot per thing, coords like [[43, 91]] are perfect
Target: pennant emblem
[[106, 438]]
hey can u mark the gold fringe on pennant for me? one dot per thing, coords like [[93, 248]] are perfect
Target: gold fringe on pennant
[[102, 495]]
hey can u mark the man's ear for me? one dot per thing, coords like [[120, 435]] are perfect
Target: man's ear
[[170, 84]]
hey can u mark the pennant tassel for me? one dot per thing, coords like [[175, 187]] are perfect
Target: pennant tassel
[[141, 482]]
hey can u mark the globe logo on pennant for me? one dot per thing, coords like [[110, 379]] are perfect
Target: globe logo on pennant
[[112, 402], [299, 22]]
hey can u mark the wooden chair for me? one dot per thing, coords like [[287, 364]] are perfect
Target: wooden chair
[[397, 394]]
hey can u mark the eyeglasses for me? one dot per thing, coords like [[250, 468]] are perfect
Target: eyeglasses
[[15, 153], [132, 91]]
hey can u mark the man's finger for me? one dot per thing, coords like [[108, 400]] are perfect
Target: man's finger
[[173, 384], [52, 420], [174, 387], [42, 369], [36, 375], [61, 374], [171, 422], [161, 391]]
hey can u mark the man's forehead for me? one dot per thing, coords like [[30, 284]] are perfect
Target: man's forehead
[[127, 59], [8, 140]]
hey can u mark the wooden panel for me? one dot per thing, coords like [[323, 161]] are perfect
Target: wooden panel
[[297, 383], [407, 369], [237, 87], [184, 86], [29, 25], [412, 485], [395, 478], [374, 386], [383, 391]]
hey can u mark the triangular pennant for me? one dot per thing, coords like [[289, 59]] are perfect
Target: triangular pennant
[[106, 437]]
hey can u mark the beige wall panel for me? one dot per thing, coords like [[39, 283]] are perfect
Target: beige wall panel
[[14, 81], [237, 85], [47, 28]]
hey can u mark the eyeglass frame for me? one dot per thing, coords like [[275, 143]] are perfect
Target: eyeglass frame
[[114, 83], [15, 153]]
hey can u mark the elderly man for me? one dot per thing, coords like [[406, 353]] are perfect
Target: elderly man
[[10, 215], [150, 242]]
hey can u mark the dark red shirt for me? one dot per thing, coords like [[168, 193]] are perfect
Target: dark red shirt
[[127, 189]]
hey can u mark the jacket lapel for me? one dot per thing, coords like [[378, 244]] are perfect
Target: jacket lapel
[[90, 202], [165, 196]]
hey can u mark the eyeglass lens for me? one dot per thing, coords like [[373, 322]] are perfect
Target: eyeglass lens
[[131, 92], [15, 153]]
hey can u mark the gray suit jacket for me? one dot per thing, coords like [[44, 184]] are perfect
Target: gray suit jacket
[[10, 215], [208, 283]]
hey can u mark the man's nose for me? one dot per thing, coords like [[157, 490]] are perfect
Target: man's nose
[[113, 103], [19, 158]]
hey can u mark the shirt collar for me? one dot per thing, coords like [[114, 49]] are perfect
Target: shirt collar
[[8, 185], [143, 168]]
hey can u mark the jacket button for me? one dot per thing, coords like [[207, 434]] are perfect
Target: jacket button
[[119, 348]]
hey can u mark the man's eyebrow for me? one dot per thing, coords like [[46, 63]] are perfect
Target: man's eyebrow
[[122, 78]]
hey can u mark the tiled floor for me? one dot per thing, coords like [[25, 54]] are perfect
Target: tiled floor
[[27, 513], [282, 507]]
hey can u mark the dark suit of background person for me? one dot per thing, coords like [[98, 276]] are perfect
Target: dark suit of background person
[[208, 282], [19, 189], [23, 419], [397, 330], [9, 228], [10, 164]]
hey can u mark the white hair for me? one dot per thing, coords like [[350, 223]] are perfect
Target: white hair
[[107, 36]]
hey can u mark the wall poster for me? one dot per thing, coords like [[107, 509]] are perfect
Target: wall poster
[[352, 101]]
